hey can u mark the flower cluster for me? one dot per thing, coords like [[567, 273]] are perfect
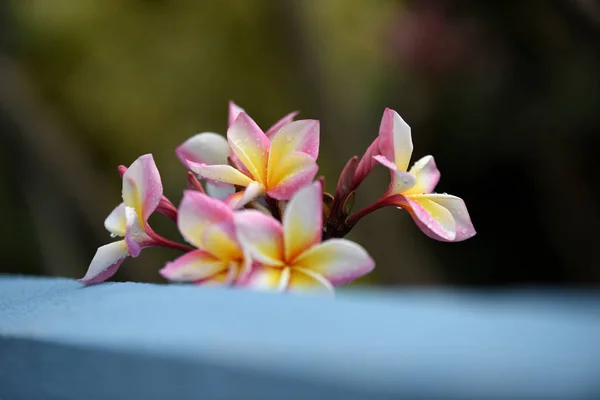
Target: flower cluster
[[255, 216]]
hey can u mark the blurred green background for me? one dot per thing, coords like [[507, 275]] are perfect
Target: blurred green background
[[504, 94]]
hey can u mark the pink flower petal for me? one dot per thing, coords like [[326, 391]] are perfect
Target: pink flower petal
[[395, 141], [458, 209], [303, 220], [116, 222], [340, 261], [196, 212], [223, 278], [220, 240], [435, 220], [298, 136], [306, 281], [293, 172], [268, 279], [240, 199], [193, 266], [105, 263], [204, 148], [261, 235], [220, 173], [135, 235], [427, 176], [250, 145], [400, 181], [280, 124], [234, 111], [142, 187]]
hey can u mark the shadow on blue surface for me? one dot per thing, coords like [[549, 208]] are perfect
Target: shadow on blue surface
[[128, 340]]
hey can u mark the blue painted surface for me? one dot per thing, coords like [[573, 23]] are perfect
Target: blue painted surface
[[125, 340]]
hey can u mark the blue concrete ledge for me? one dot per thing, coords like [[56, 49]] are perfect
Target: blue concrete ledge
[[140, 341]]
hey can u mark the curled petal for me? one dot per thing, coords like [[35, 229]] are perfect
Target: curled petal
[[456, 206], [435, 220], [219, 190], [250, 145], [293, 172], [338, 260], [142, 187], [401, 181], [427, 176], [193, 266], [196, 212], [234, 111], [204, 148], [116, 222], [298, 136], [264, 278], [220, 173], [307, 281], [135, 235], [106, 262], [261, 235], [240, 199], [280, 124], [395, 141], [303, 220]]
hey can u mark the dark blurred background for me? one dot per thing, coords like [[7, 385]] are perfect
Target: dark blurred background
[[505, 95]]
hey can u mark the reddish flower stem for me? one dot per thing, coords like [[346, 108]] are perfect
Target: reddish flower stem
[[163, 242], [354, 218]]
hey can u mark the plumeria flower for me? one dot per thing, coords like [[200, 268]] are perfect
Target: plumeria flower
[[142, 193], [210, 148], [208, 224], [440, 216], [290, 256], [277, 167]]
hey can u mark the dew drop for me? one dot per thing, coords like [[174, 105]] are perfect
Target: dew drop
[[113, 235]]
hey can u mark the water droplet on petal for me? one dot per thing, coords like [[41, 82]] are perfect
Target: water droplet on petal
[[113, 235]]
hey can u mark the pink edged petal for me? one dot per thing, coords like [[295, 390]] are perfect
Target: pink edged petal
[[234, 111], [220, 173], [427, 174], [135, 235], [293, 172], [261, 235], [303, 220], [193, 266], [250, 145], [395, 141], [219, 190], [240, 199], [308, 282], [268, 279], [224, 278], [116, 222], [106, 262], [142, 187], [433, 219], [401, 181], [338, 260], [220, 240], [456, 206], [280, 124], [204, 148], [298, 136], [196, 212]]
